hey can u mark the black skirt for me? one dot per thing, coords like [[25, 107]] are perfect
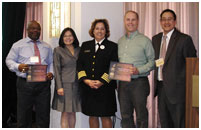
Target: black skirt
[[98, 102]]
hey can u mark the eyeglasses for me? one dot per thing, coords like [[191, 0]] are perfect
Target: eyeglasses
[[168, 19]]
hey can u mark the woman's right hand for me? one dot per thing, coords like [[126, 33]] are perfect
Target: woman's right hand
[[90, 83], [60, 91]]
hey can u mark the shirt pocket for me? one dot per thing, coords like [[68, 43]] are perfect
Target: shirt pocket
[[24, 54], [137, 52]]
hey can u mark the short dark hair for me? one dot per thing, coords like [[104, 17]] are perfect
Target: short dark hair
[[93, 25], [31, 22], [131, 11], [75, 42], [169, 10]]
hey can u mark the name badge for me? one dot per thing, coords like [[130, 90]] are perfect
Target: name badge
[[86, 51], [159, 62], [34, 59]]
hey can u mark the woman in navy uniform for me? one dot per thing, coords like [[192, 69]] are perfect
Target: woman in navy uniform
[[97, 90]]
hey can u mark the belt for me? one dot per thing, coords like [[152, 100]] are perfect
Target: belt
[[139, 78], [21, 78]]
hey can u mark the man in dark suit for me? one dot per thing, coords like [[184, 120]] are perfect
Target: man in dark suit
[[171, 50]]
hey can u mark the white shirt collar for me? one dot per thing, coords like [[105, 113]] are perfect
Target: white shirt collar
[[169, 34], [100, 41], [28, 40]]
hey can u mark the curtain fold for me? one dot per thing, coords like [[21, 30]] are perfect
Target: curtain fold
[[149, 16], [13, 14], [149, 24], [34, 11]]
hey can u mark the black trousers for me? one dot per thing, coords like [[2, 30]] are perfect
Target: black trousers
[[171, 115], [33, 95], [133, 95]]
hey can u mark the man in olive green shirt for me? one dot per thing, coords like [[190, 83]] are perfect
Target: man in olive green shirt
[[136, 49]]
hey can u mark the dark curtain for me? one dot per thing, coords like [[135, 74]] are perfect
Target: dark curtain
[[13, 15]]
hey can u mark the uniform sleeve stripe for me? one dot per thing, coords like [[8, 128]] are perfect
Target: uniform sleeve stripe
[[105, 77], [81, 74]]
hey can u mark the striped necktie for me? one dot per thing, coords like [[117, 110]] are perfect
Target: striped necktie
[[37, 52], [162, 55]]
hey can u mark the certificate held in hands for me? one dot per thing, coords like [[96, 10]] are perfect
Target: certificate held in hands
[[37, 73], [120, 71]]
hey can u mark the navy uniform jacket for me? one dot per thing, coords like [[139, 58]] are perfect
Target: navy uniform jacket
[[95, 65]]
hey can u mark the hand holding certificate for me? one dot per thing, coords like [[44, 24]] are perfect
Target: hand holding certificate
[[37, 73], [120, 71]]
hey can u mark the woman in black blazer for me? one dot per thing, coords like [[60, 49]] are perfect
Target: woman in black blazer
[[66, 96], [97, 90]]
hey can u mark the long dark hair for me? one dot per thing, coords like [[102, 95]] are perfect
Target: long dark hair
[[75, 42]]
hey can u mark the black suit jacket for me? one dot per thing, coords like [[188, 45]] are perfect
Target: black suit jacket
[[174, 70]]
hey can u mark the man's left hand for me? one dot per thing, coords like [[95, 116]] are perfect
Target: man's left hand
[[49, 76], [134, 71]]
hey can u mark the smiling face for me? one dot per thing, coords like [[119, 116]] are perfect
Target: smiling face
[[131, 22], [167, 22], [34, 30], [99, 31], [68, 38]]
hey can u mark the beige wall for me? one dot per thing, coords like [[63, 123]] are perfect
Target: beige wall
[[82, 15]]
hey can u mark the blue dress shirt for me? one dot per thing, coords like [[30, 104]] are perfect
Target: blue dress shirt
[[23, 50]]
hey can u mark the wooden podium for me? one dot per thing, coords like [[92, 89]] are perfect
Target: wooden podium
[[192, 94]]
